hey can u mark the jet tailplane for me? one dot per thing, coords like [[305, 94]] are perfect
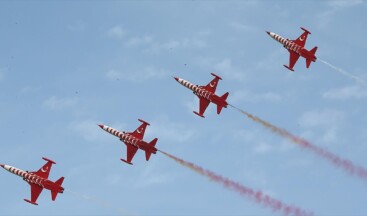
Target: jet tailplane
[[220, 106], [148, 153], [312, 52], [53, 192]]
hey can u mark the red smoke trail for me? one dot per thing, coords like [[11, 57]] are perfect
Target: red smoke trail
[[256, 196], [345, 164]]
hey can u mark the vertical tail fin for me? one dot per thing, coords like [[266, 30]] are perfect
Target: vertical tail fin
[[224, 98], [147, 152], [54, 193], [308, 61], [313, 51]]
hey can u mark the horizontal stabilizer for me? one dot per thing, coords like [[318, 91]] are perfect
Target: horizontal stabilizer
[[224, 96], [60, 181], [313, 51], [153, 142], [54, 193], [308, 61], [147, 155]]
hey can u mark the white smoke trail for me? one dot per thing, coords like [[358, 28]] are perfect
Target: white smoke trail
[[356, 78], [101, 203]]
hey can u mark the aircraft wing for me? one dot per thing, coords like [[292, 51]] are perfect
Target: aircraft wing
[[35, 192], [140, 131], [203, 105], [293, 58], [301, 40], [131, 151], [44, 171], [212, 86]]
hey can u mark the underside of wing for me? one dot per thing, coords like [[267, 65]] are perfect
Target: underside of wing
[[131, 151], [204, 103], [140, 131], [293, 58], [212, 86], [301, 40], [35, 192], [44, 171]]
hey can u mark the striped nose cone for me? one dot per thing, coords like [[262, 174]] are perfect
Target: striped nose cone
[[271, 34], [2, 165], [176, 78], [101, 126]]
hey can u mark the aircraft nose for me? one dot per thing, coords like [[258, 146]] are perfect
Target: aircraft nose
[[101, 126], [2, 165], [176, 78], [268, 32]]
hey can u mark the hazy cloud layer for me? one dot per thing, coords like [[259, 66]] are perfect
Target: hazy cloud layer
[[55, 103], [348, 92]]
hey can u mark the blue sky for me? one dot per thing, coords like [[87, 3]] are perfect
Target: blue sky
[[66, 66]]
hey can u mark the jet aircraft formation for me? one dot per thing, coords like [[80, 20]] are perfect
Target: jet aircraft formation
[[134, 140]]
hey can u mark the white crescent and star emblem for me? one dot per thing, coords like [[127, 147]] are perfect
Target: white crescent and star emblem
[[43, 169], [302, 38], [139, 131], [212, 84]]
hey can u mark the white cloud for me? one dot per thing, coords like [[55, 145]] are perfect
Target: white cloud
[[325, 118], [263, 147], [254, 97], [322, 126], [185, 43], [88, 129], [116, 32], [55, 103], [344, 3], [137, 76], [228, 70], [152, 176], [138, 41], [349, 92], [150, 45], [324, 18], [170, 131], [261, 144], [241, 27]]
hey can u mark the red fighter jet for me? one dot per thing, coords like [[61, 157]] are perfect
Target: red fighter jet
[[206, 94], [38, 180], [296, 48], [134, 141]]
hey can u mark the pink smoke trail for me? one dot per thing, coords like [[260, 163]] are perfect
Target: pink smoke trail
[[345, 164], [256, 196]]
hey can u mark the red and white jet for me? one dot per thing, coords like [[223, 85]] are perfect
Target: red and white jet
[[206, 94], [134, 141], [296, 48], [38, 180]]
